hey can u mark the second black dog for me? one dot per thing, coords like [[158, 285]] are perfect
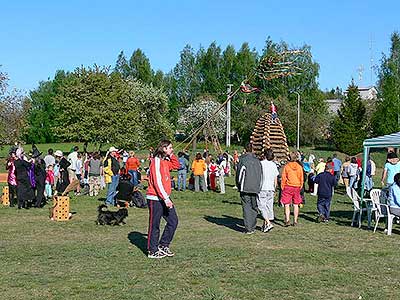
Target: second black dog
[[107, 217]]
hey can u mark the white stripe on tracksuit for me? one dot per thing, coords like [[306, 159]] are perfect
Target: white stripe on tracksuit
[[242, 174], [159, 183]]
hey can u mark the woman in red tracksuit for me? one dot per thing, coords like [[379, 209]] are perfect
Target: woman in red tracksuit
[[160, 204]]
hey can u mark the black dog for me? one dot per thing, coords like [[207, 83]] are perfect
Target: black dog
[[107, 217]]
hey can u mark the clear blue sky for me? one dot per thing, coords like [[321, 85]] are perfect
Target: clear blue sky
[[39, 37]]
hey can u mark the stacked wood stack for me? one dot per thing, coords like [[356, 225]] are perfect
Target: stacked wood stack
[[268, 134]]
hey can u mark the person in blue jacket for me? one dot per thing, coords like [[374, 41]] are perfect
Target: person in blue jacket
[[326, 182]]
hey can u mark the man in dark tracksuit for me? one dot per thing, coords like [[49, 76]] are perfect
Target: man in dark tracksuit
[[326, 181], [248, 182]]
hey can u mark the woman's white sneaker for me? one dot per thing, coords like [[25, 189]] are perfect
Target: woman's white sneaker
[[166, 251]]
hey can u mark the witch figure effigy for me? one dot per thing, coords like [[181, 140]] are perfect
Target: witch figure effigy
[[39, 169], [24, 177]]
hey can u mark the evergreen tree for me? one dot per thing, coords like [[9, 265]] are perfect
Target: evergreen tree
[[174, 104], [158, 79], [139, 66], [246, 62], [186, 77], [228, 62], [122, 65], [348, 130], [386, 118], [209, 65]]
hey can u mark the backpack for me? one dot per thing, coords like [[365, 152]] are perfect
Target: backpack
[[138, 200], [345, 172]]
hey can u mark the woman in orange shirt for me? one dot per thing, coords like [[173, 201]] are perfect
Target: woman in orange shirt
[[292, 181], [132, 166], [198, 168]]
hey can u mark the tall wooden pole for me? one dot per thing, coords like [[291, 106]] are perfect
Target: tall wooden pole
[[228, 116]]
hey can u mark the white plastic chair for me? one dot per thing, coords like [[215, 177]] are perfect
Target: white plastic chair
[[375, 195], [382, 211], [358, 209]]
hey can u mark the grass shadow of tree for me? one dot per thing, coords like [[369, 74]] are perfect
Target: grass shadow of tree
[[139, 240], [230, 222]]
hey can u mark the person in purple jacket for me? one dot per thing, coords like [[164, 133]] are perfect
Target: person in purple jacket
[[326, 182]]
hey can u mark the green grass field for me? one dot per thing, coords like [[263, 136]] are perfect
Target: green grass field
[[43, 259]]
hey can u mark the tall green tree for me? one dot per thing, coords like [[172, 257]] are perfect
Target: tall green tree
[[97, 107], [386, 118], [174, 104], [41, 114], [246, 62], [228, 62], [122, 65], [139, 67], [159, 80], [186, 85], [348, 130], [209, 66]]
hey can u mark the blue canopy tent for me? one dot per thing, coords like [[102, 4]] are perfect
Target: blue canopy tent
[[390, 140]]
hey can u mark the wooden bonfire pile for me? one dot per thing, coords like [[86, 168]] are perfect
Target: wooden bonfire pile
[[270, 135]]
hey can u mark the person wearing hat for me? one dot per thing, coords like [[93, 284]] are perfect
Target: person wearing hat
[[39, 167], [73, 158], [63, 178], [111, 174], [326, 181], [24, 187], [11, 179]]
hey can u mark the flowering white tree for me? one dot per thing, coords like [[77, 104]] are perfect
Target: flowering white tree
[[200, 111]]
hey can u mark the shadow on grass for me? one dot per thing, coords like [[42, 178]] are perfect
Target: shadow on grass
[[230, 222], [231, 202], [139, 240], [309, 216], [340, 217]]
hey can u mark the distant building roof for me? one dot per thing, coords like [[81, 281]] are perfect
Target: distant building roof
[[334, 105], [366, 93]]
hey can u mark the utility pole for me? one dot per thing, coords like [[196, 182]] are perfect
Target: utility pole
[[360, 70], [228, 116], [371, 53]]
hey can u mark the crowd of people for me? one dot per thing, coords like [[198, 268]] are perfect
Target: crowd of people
[[33, 179]]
